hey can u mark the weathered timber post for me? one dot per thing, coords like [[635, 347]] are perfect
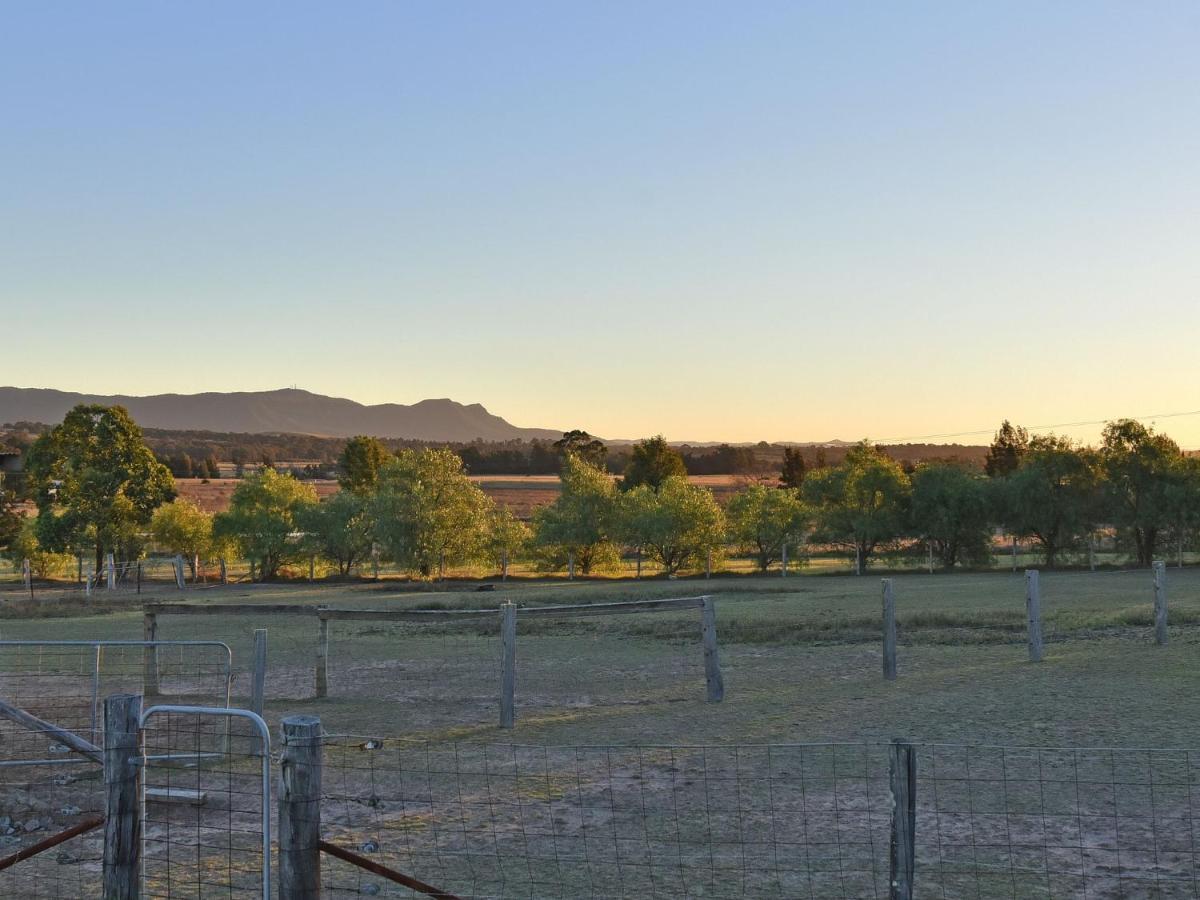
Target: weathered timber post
[[902, 775], [929, 555], [195, 568], [87, 584], [783, 560], [312, 569], [110, 572], [27, 574], [570, 565], [1160, 602], [714, 682], [123, 797], [252, 567], [508, 655], [179, 580], [150, 655], [259, 685], [504, 564], [708, 564], [889, 631], [322, 673], [639, 562], [374, 563], [300, 809], [857, 559], [1033, 614], [224, 571]]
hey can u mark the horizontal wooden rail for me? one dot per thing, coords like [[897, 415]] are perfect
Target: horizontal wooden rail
[[408, 615], [384, 872], [229, 609], [64, 737], [608, 609], [52, 841]]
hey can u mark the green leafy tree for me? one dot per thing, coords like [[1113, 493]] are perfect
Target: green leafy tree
[[340, 530], [763, 519], [427, 512], [677, 525], [952, 510], [508, 537], [651, 463], [860, 504], [96, 483], [582, 519], [1141, 473], [794, 468], [265, 512], [42, 562], [1006, 451], [1183, 502], [1052, 496], [11, 519], [360, 462], [184, 528], [581, 444]]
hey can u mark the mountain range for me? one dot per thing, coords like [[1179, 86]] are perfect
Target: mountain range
[[288, 411]]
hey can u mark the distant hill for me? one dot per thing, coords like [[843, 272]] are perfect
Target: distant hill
[[288, 411]]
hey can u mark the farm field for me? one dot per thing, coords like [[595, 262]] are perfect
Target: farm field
[[801, 659]]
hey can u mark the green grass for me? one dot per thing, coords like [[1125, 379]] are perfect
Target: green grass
[[801, 660]]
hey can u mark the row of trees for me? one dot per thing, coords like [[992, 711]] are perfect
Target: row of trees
[[99, 489]]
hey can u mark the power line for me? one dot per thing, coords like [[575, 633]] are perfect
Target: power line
[[987, 431]]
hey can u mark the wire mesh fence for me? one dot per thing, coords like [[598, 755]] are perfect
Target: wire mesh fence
[[206, 806]]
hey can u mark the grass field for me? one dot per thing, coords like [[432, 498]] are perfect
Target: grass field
[[801, 660]]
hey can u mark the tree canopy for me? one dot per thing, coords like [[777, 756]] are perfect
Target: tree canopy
[[678, 524], [360, 462], [1007, 448], [96, 483], [761, 520], [1051, 497], [428, 513], [1142, 471], [952, 510], [582, 445], [651, 463], [264, 513], [860, 504], [184, 528], [340, 529], [582, 519]]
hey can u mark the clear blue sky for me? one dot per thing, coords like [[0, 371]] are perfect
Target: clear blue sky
[[719, 221]]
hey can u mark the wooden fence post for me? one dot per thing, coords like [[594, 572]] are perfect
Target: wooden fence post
[[1160, 602], [889, 631], [714, 682], [508, 675], [312, 569], [179, 581], [27, 574], [150, 655], [300, 809], [708, 564], [224, 571], [783, 560], [322, 672], [902, 775], [110, 572], [570, 565], [123, 797], [259, 687], [1033, 614], [504, 565]]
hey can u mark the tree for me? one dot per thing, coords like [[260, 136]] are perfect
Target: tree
[[677, 525], [860, 504], [583, 445], [1141, 470], [652, 462], [1051, 497], [96, 483], [11, 519], [42, 563], [340, 529], [264, 512], [581, 520], [763, 519], [427, 512], [794, 468], [1184, 502], [212, 469], [184, 528], [1004, 455], [508, 537], [952, 510], [360, 462]]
